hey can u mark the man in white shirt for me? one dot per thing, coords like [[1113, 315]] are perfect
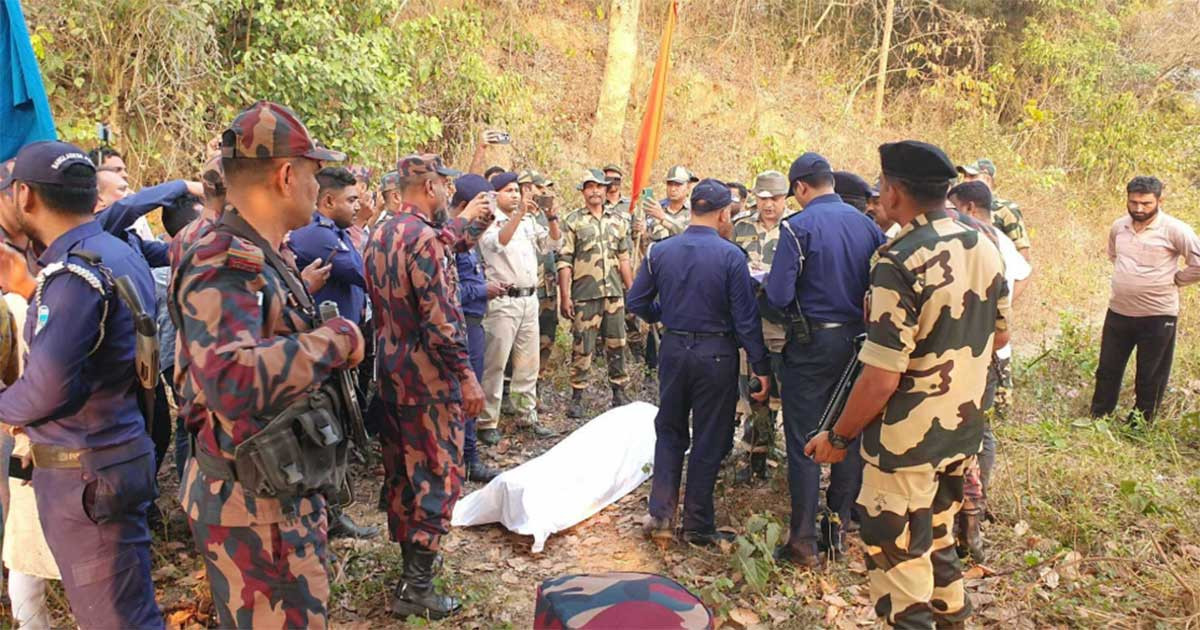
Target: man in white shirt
[[974, 199], [510, 249]]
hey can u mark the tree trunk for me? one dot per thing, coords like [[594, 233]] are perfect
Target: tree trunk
[[885, 45], [619, 66]]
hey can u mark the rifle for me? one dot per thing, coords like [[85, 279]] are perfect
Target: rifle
[[345, 385], [841, 393]]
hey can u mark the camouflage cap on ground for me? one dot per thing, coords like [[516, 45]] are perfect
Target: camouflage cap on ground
[[423, 164], [592, 175], [982, 165], [680, 175], [269, 130], [389, 181], [770, 184]]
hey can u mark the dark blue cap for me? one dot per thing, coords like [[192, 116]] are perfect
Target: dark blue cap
[[46, 162], [916, 161], [808, 164], [710, 195], [468, 187], [503, 179], [847, 184]]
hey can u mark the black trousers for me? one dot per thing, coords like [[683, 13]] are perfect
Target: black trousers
[[1154, 338]]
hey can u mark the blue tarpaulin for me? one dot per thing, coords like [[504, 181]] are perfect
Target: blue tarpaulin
[[24, 111]]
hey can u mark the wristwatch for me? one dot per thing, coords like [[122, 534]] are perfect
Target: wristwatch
[[837, 441]]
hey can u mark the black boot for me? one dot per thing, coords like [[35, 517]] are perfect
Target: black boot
[[478, 471], [342, 526], [619, 398], [575, 409], [968, 537], [490, 437], [415, 594]]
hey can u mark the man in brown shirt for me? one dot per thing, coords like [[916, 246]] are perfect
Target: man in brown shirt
[[1145, 248]]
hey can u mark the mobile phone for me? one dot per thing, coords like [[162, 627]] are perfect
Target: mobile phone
[[544, 202], [17, 471], [491, 196], [501, 137], [104, 133]]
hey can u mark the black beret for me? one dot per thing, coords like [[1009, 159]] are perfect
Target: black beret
[[916, 161], [847, 184]]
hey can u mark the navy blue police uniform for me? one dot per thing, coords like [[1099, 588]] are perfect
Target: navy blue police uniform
[[93, 474], [820, 272], [698, 285]]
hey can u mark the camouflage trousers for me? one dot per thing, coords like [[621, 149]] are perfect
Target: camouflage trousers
[[601, 317], [423, 464], [547, 330], [758, 433], [267, 576], [908, 527]]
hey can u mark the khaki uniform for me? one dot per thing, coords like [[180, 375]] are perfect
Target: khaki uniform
[[675, 223], [547, 293], [635, 329], [593, 248], [759, 243], [1007, 216], [937, 298]]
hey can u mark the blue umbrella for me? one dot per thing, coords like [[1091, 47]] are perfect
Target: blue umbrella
[[24, 111]]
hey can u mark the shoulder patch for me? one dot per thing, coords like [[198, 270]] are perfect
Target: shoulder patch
[[218, 248]]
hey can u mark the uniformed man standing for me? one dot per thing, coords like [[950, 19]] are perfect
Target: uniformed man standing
[[1006, 214], [698, 285], [389, 191], [425, 379], [758, 234], [249, 348], [672, 215], [93, 461], [593, 274], [818, 276], [938, 303]]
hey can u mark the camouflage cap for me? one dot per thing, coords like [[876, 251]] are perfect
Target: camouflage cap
[[390, 181], [592, 175], [361, 174], [529, 177], [680, 175], [423, 164], [213, 177], [269, 130], [982, 165], [770, 184], [615, 169]]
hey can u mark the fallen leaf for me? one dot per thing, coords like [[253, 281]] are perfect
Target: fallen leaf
[[833, 599], [1020, 528], [509, 578], [831, 613], [1069, 567], [1051, 579], [826, 587], [744, 617], [778, 616]]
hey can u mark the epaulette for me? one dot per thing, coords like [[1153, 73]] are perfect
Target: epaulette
[[92, 278], [222, 249]]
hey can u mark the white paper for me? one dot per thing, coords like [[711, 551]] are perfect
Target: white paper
[[593, 467]]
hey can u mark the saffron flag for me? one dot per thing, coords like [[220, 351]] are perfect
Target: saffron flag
[[24, 111], [651, 130]]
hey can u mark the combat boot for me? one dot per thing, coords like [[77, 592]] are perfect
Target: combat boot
[[342, 526], [416, 594], [619, 398], [575, 409], [968, 537], [490, 437], [478, 471]]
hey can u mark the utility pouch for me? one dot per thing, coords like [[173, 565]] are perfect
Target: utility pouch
[[121, 479], [300, 451], [798, 330]]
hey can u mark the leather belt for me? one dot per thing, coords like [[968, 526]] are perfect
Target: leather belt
[[698, 335], [515, 292], [50, 456]]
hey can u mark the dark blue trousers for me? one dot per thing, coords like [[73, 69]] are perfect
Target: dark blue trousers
[[94, 520], [807, 378], [475, 346], [697, 377]]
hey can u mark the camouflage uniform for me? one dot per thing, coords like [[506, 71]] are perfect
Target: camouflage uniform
[[759, 243], [547, 292], [592, 250], [674, 223], [421, 358], [247, 349], [635, 329], [1006, 215], [937, 297]]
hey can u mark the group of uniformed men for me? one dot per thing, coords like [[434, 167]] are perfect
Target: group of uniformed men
[[463, 278]]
